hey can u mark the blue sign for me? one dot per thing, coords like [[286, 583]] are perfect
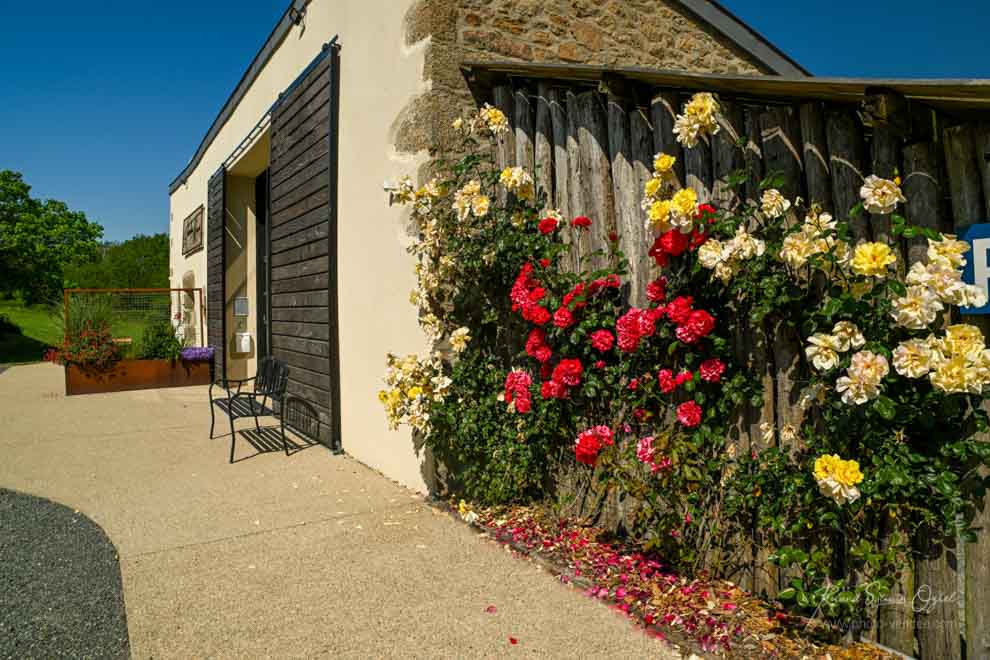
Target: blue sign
[[977, 268]]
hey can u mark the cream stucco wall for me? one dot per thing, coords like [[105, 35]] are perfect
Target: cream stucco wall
[[380, 75]]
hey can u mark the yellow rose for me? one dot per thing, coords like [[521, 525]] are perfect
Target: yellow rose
[[659, 213], [963, 339], [685, 202], [664, 163], [825, 466], [652, 187], [872, 259], [847, 473], [479, 206]]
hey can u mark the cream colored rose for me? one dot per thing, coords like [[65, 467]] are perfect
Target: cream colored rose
[[949, 251], [913, 358], [710, 253], [746, 246], [774, 204], [916, 310], [822, 351], [868, 367], [880, 195], [847, 336], [856, 391]]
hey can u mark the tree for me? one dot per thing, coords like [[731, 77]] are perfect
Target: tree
[[139, 262], [38, 239]]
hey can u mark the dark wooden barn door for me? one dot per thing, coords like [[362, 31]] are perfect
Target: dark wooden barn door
[[216, 331], [303, 199]]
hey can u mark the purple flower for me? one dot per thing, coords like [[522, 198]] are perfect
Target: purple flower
[[197, 353]]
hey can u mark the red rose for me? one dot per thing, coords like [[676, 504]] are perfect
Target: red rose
[[656, 290], [612, 236], [689, 414], [656, 251], [547, 225], [628, 329], [517, 390], [544, 263], [581, 221], [683, 377], [665, 378], [569, 297], [568, 372], [697, 238], [698, 324], [602, 340], [705, 209], [679, 309], [536, 314], [545, 370], [552, 390], [600, 364], [536, 345], [590, 442], [673, 242], [563, 318], [633, 384], [712, 370]]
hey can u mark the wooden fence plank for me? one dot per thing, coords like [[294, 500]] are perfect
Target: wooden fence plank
[[626, 192], [543, 147], [524, 117], [982, 136], [562, 166], [505, 142], [727, 156], [780, 130], [817, 175], [845, 150], [753, 152], [663, 109], [922, 190], [885, 151], [641, 142], [576, 183], [592, 122]]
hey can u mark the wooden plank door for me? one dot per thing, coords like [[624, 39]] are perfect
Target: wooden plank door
[[303, 201]]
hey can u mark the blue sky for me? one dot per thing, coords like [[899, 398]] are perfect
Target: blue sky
[[104, 102]]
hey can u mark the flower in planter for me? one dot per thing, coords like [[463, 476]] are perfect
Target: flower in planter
[[197, 353]]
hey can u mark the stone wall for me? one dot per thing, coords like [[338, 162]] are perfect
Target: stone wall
[[648, 33]]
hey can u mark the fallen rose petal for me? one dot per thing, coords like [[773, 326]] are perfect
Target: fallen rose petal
[[513, 640], [491, 609]]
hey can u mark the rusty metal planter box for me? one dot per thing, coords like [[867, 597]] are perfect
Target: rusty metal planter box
[[136, 375]]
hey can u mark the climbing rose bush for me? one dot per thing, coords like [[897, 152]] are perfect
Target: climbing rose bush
[[543, 368]]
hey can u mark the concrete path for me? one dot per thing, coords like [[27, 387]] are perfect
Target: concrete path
[[307, 556]]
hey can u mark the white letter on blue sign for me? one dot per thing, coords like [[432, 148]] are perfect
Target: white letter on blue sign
[[981, 270]]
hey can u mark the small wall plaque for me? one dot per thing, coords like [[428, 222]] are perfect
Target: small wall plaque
[[192, 232]]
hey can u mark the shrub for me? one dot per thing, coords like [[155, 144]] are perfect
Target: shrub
[[160, 341]]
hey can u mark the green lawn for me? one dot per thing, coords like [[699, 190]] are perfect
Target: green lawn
[[40, 328]]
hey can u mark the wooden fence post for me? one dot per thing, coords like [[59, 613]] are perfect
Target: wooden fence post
[[781, 136], [727, 156]]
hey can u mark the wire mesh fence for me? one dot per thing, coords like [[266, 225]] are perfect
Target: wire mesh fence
[[136, 317]]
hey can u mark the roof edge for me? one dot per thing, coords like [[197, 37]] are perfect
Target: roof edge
[[261, 58], [743, 36]]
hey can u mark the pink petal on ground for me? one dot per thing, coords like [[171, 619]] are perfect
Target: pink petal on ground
[[513, 640], [491, 609]]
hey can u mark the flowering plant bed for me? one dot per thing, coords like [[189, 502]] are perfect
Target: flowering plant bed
[[136, 375], [701, 614]]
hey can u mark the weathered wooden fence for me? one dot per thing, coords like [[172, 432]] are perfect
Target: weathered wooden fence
[[592, 144]]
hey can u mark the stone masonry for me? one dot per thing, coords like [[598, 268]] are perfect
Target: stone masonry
[[648, 33]]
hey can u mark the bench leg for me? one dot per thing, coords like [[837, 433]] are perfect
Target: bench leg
[[233, 437]]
